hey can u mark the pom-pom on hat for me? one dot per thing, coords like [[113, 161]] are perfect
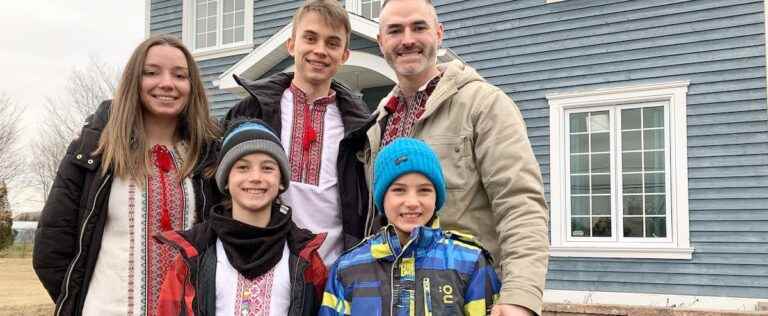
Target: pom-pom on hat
[[246, 137], [402, 156]]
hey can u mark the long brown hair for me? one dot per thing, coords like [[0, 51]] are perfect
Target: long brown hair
[[123, 142]]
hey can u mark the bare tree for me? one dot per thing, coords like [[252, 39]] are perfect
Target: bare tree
[[63, 116], [11, 164]]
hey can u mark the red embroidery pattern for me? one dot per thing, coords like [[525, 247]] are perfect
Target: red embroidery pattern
[[253, 296], [165, 199], [307, 136], [405, 112], [131, 244]]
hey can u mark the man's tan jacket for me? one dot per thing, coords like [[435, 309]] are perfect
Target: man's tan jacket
[[495, 190]]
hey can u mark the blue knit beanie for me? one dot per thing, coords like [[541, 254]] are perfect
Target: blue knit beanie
[[403, 156]]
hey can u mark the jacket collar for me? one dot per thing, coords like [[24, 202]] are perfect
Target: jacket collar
[[386, 245], [269, 91]]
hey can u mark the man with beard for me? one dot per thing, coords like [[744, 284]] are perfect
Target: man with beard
[[492, 176]]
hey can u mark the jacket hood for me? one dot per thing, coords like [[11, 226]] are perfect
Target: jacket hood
[[458, 74]]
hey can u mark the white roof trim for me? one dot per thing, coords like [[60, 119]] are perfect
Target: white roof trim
[[273, 51]]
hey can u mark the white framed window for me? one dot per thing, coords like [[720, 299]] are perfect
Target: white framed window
[[618, 170], [369, 9], [217, 28]]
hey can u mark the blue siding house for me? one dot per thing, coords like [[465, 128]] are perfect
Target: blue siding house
[[648, 117]]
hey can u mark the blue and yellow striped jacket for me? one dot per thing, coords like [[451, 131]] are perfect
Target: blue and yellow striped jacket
[[435, 273]]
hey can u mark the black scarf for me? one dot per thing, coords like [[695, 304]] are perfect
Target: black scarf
[[252, 250]]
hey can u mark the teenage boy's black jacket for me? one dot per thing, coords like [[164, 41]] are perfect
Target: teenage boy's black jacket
[[264, 103], [68, 236]]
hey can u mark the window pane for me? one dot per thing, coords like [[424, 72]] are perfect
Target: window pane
[[630, 162], [200, 26], [630, 140], [376, 9], [598, 122], [601, 184], [655, 205], [229, 20], [654, 182], [633, 227], [580, 227], [653, 139], [653, 117], [579, 143], [239, 34], [211, 39], [630, 119], [212, 25], [655, 227], [229, 6], [580, 205], [601, 163], [212, 8], [601, 205], [239, 4], [201, 10], [366, 10], [578, 122], [579, 163], [240, 18], [579, 184], [600, 142], [227, 36], [601, 226], [633, 205], [654, 161], [633, 183], [200, 41]]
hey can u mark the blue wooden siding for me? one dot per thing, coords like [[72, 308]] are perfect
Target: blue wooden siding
[[529, 49], [165, 17]]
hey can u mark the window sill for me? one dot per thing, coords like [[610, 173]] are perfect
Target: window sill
[[216, 52], [622, 252]]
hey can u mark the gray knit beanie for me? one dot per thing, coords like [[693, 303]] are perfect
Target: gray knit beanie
[[248, 137]]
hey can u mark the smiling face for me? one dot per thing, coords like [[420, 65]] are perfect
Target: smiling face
[[253, 184], [318, 49], [165, 83], [409, 203], [409, 37]]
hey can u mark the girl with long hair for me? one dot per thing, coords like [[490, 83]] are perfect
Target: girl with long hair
[[143, 164]]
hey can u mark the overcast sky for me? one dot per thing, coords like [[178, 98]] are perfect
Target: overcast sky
[[42, 41]]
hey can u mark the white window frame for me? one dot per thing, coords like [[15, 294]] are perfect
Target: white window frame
[[218, 51], [677, 243], [356, 7]]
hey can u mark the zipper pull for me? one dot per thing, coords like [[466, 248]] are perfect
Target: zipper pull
[[427, 298]]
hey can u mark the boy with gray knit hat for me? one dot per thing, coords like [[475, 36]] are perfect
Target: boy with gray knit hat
[[411, 266], [246, 258]]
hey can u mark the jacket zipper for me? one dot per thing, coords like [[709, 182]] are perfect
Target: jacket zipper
[[79, 247], [202, 210], [427, 298], [392, 275]]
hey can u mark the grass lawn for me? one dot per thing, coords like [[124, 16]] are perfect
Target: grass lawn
[[20, 291]]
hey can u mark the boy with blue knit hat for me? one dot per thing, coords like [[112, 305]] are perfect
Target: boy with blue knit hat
[[248, 258], [411, 266]]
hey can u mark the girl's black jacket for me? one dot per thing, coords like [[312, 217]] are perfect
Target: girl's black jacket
[[68, 236]]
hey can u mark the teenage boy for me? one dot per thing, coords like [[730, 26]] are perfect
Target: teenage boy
[[315, 117], [495, 189], [411, 266], [248, 258]]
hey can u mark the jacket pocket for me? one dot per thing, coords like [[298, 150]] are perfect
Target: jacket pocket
[[455, 154]]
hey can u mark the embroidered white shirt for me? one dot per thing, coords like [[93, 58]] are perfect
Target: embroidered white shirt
[[317, 208]]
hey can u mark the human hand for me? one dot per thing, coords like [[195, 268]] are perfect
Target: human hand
[[510, 310]]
